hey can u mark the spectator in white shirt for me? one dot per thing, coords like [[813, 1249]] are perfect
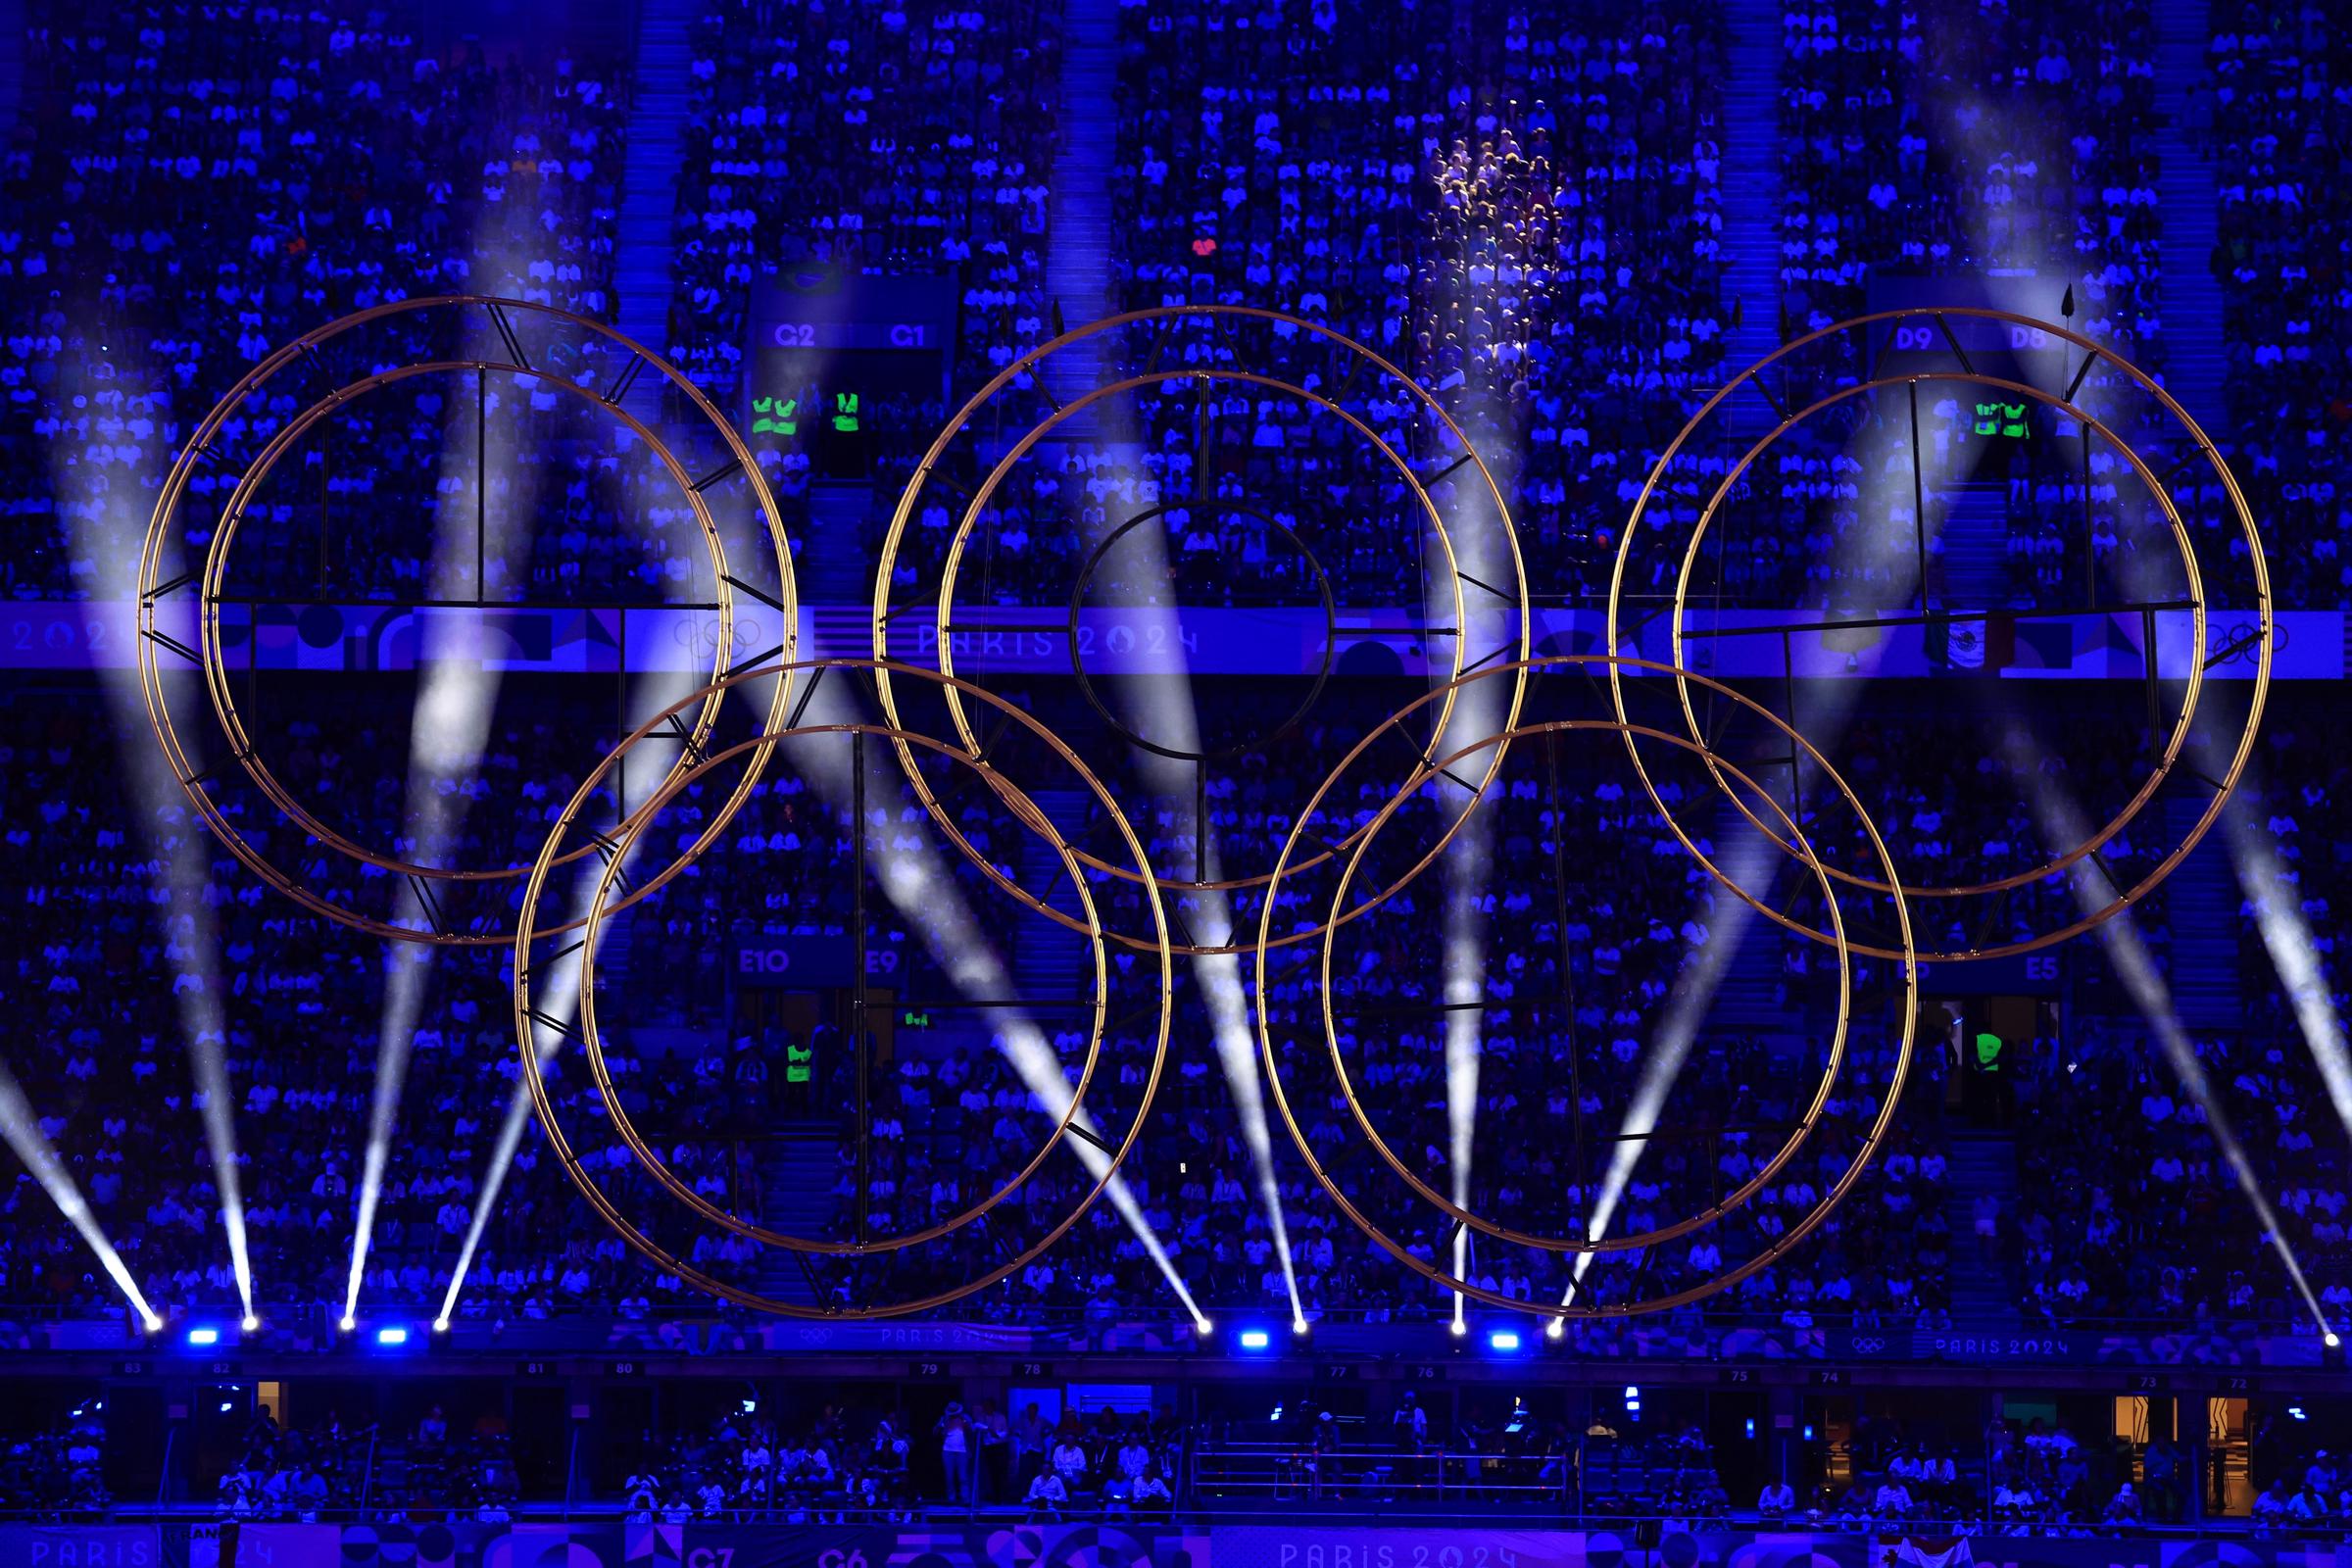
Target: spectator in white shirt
[[1047, 1494]]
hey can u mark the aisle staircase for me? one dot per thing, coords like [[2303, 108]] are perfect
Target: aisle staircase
[[1751, 183], [12, 62], [2186, 206], [1747, 994], [833, 563], [1969, 536], [653, 156], [1748, 997], [2201, 903], [796, 1172], [1050, 962], [1984, 1298], [616, 940], [1078, 261]]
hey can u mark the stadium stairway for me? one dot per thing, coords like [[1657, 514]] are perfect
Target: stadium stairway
[[1078, 272], [1748, 993], [651, 159], [614, 941], [2186, 203], [832, 561], [1971, 542], [1981, 1163], [12, 62], [2201, 909], [1750, 179], [1050, 963], [796, 1172]]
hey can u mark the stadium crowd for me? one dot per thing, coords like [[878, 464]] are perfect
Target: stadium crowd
[[2121, 1216], [1531, 219], [867, 1463], [1535, 223]]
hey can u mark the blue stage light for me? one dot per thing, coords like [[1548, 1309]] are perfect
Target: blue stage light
[[392, 1336], [1256, 1339], [1505, 1341], [204, 1336]]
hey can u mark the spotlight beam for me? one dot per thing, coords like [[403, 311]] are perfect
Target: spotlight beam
[[562, 993], [161, 801], [456, 698], [1220, 978], [1890, 486], [517, 1121], [1160, 705], [2063, 818], [2295, 953], [1481, 552], [22, 1130], [652, 694], [1750, 866], [562, 983], [917, 885], [1219, 974]]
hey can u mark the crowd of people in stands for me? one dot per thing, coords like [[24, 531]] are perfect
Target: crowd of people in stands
[[2280, 100], [194, 189], [2120, 1208], [2031, 1477], [867, 1464], [2318, 1497], [1532, 222], [59, 1469], [333, 1465]]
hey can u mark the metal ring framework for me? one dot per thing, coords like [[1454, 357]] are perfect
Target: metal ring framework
[[2188, 565], [215, 568], [209, 657], [2199, 663], [1339, 915], [1724, 1205], [1086, 684], [529, 1020], [592, 1039], [1028, 364], [1078, 405]]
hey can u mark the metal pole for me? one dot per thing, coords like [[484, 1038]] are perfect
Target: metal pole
[[620, 712], [1919, 503], [1789, 699], [1201, 821], [2091, 559], [857, 975], [481, 478]]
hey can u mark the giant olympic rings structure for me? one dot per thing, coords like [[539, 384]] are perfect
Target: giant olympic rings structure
[[1326, 853]]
